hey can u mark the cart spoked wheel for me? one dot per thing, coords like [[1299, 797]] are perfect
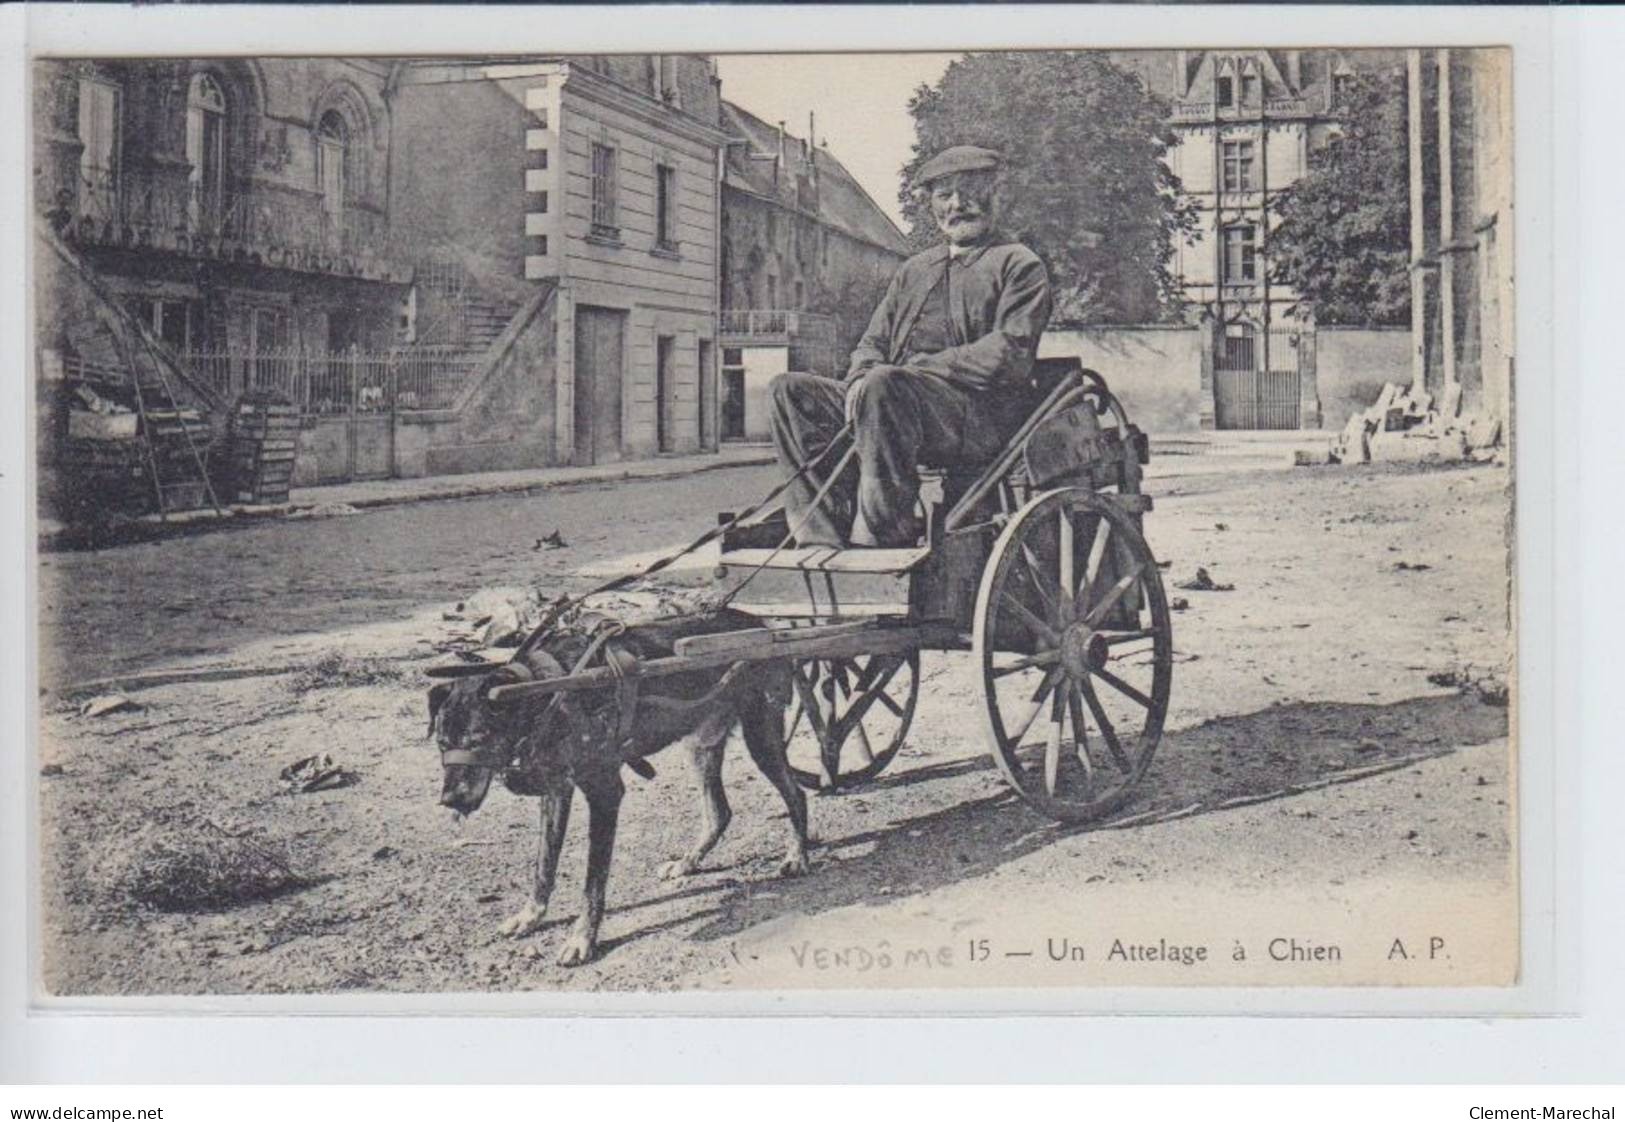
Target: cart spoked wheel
[[1076, 651], [848, 717]]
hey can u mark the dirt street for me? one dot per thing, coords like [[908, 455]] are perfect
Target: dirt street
[[1308, 762]]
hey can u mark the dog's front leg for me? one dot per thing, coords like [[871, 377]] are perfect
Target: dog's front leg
[[603, 790], [555, 817]]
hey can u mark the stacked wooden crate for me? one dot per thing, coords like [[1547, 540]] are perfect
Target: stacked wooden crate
[[264, 442]]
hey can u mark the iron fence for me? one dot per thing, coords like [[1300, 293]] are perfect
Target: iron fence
[[339, 382]]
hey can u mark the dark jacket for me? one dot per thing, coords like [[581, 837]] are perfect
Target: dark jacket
[[999, 307]]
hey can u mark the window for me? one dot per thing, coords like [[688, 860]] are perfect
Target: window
[[169, 320], [332, 157], [206, 151], [772, 292], [270, 327], [604, 222], [1240, 250], [1238, 158], [99, 104], [1225, 93], [666, 208], [1340, 88], [1249, 89]]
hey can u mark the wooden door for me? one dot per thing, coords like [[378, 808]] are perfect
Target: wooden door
[[600, 341]]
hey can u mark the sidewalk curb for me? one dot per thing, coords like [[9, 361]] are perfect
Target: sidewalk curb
[[519, 486], [150, 527]]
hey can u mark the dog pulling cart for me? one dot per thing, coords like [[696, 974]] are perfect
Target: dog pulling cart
[[1035, 563]]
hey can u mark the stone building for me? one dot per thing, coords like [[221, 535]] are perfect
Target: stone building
[[806, 256], [234, 214], [576, 199], [455, 265], [1246, 122], [233, 205]]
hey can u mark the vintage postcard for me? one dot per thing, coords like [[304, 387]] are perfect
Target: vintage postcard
[[724, 523]]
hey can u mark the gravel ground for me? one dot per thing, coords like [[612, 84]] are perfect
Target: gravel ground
[[1352, 587]]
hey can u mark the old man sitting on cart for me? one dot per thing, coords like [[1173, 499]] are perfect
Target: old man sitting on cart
[[940, 377]]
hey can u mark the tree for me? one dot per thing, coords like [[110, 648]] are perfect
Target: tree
[[1343, 238], [1085, 183]]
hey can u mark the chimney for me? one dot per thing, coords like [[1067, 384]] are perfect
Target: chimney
[[812, 147]]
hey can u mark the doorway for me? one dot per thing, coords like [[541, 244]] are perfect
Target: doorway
[[599, 369]]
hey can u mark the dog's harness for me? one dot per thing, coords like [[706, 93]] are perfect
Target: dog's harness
[[627, 671]]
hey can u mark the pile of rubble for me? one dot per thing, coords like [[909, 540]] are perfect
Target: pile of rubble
[[1408, 425]]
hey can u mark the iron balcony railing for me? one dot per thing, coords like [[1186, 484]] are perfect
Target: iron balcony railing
[[778, 323], [1189, 111], [198, 219]]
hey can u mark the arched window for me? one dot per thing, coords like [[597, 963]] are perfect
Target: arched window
[[206, 120], [332, 161]]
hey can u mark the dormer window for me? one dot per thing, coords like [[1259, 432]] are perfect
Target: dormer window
[[1224, 93], [1340, 87], [1249, 89], [206, 150]]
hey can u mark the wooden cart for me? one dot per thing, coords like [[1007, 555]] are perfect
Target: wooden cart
[[1034, 563]]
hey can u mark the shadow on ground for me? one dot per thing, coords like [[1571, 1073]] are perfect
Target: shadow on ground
[[1198, 770]]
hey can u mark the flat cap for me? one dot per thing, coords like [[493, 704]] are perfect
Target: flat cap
[[961, 157]]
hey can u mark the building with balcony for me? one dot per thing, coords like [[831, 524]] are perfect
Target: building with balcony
[[806, 256], [1246, 121], [229, 204]]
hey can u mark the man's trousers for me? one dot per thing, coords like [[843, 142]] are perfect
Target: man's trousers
[[903, 419]]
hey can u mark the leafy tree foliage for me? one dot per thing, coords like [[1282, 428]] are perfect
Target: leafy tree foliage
[[1085, 183], [1343, 239]]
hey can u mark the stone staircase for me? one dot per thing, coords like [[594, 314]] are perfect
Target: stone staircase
[[483, 320]]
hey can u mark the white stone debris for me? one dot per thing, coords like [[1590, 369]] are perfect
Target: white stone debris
[[1408, 425]]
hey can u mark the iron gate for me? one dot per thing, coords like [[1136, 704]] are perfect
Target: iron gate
[[1252, 393]]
